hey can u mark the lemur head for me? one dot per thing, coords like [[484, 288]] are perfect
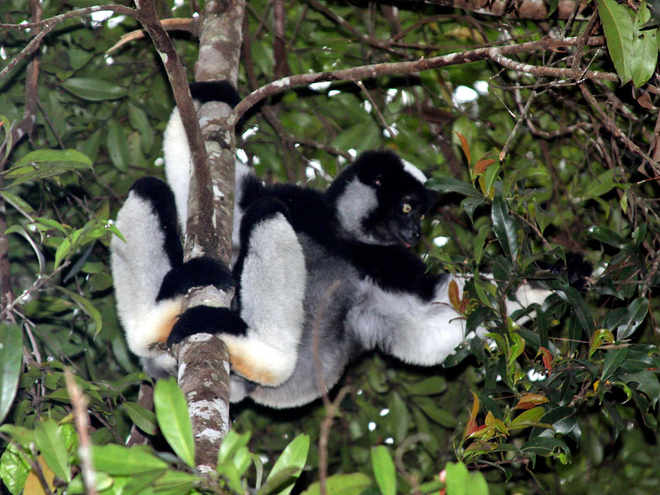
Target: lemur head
[[381, 200]]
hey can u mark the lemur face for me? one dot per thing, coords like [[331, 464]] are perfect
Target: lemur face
[[385, 201]]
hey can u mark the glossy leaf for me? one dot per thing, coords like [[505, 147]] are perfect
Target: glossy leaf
[[117, 460], [644, 49], [342, 484], [528, 418], [635, 316], [174, 419], [618, 28], [449, 185], [504, 227], [11, 361], [143, 418], [51, 446], [384, 470], [93, 89], [117, 145], [288, 467]]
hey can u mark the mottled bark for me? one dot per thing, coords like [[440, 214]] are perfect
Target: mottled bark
[[203, 359], [204, 380]]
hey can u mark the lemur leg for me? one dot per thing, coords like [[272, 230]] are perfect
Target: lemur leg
[[416, 331], [150, 277], [148, 223], [271, 277]]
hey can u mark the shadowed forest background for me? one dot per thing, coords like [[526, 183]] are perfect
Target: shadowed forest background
[[543, 133]]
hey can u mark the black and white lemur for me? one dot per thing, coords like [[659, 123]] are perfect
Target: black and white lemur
[[298, 247]]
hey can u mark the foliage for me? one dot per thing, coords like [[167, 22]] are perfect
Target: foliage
[[564, 403]]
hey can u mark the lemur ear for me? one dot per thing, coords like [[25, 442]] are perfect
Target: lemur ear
[[432, 198]]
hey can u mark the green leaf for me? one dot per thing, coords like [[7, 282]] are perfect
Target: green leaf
[[174, 419], [117, 145], [86, 305], [428, 386], [341, 484], [601, 185], [143, 418], [599, 336], [292, 461], [644, 49], [54, 156], [23, 208], [384, 470], [613, 360], [476, 484], [175, 480], [457, 477], [544, 446], [636, 314], [230, 444], [93, 89], [582, 312], [647, 382], [618, 28], [504, 227], [11, 362], [449, 185], [137, 484], [14, 469], [531, 417], [606, 236], [440, 416], [51, 446], [42, 164], [140, 122], [63, 251], [479, 242], [118, 460]]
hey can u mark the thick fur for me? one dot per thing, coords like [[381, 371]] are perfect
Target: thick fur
[[321, 277], [178, 165], [149, 273]]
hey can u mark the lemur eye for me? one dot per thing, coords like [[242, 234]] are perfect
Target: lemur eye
[[422, 217], [406, 208]]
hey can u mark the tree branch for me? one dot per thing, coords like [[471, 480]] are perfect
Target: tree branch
[[375, 70]]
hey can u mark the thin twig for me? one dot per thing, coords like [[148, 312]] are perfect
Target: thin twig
[[50, 23], [375, 70], [79, 403], [613, 128], [376, 109], [331, 411]]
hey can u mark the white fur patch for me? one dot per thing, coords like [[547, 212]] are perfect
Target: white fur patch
[[272, 292], [414, 171], [353, 207], [405, 326], [138, 268], [177, 164]]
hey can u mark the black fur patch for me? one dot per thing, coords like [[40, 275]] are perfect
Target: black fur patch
[[395, 268], [222, 91], [205, 319], [576, 268], [261, 210], [309, 212], [195, 273], [161, 197], [312, 213]]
